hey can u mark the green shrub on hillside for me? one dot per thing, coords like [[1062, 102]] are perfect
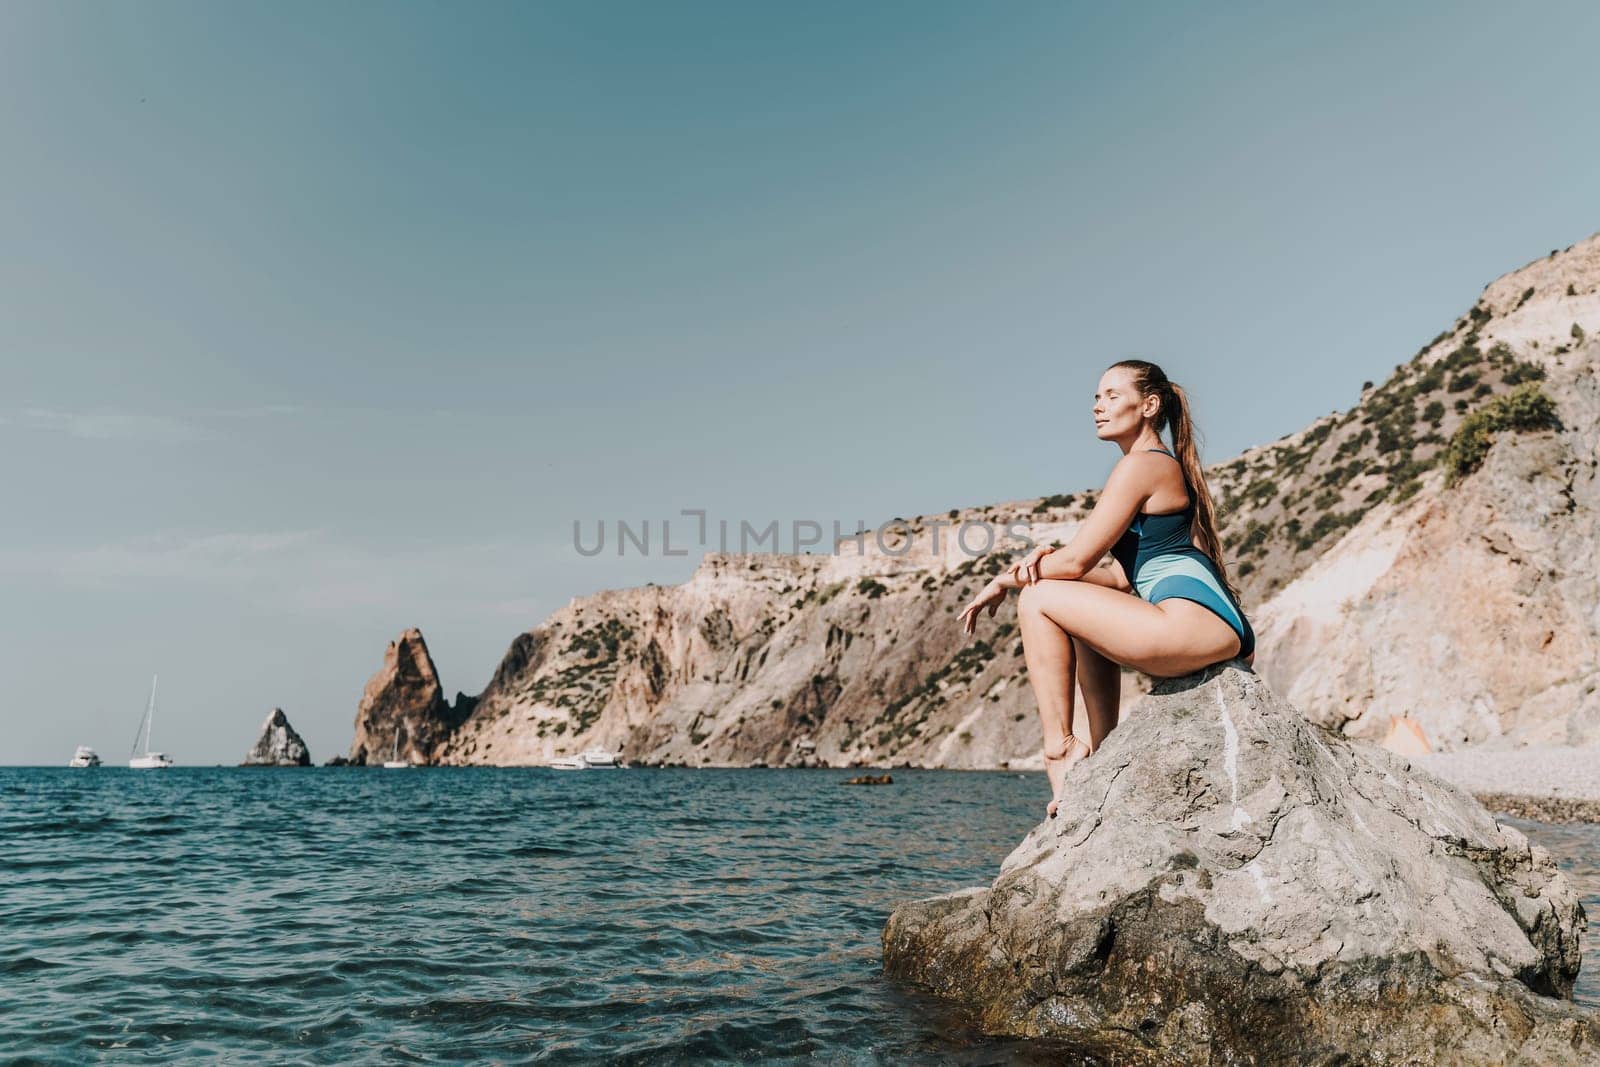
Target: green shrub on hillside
[[1404, 490], [1255, 535], [1524, 408], [1408, 469], [1336, 473], [1352, 444], [1259, 492], [1393, 437], [1431, 379], [1328, 522], [823, 594], [1057, 501], [1523, 372]]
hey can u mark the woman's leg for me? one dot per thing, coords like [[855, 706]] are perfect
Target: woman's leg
[[1058, 618], [1163, 640], [1100, 681], [1048, 652]]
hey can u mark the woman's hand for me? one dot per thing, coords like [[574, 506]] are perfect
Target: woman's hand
[[990, 596], [1026, 571]]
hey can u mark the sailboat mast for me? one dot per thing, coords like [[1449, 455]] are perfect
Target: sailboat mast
[[150, 712], [144, 721]]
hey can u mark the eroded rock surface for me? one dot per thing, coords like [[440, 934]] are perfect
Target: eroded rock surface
[[278, 745], [1227, 882], [403, 713]]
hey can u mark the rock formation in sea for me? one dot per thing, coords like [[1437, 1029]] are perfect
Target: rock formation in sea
[[1227, 882], [403, 714], [1424, 555], [278, 745]]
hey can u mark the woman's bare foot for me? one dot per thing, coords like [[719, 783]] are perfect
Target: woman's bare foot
[[1058, 764]]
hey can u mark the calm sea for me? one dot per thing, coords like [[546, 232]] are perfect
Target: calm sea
[[635, 916]]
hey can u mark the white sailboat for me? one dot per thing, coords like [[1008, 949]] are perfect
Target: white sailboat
[[147, 760], [394, 762]]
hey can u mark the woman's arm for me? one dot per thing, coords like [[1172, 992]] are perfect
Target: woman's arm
[[1125, 493]]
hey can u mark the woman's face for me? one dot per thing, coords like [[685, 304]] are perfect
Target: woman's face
[[1118, 407]]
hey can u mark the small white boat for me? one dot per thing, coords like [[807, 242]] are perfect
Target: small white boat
[[84, 757], [147, 760], [589, 759]]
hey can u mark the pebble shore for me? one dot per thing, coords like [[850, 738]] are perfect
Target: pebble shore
[[1550, 783]]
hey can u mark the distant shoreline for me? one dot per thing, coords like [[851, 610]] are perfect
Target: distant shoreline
[[1541, 808], [1538, 807]]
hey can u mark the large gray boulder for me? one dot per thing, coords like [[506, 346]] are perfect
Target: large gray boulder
[[278, 745], [1226, 882]]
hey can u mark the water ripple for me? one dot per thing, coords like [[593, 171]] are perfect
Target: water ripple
[[650, 916]]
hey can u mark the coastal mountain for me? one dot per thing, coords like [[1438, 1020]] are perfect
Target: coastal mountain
[[1467, 596], [278, 745], [1425, 555]]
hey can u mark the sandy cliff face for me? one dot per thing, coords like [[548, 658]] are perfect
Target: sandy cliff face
[[1375, 588], [1472, 608], [768, 659]]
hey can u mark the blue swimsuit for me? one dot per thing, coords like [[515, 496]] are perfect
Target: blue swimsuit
[[1161, 561]]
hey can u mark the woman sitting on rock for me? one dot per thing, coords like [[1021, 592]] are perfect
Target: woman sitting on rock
[[1162, 604]]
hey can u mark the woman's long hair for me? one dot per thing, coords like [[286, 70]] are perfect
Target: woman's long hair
[[1174, 415]]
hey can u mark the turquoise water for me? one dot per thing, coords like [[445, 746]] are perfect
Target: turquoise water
[[635, 916]]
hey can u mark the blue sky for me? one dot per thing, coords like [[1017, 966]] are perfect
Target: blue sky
[[321, 321]]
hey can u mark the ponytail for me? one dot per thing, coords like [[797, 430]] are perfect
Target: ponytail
[[1174, 415]]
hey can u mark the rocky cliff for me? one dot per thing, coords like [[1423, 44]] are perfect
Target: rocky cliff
[[278, 745], [1227, 882], [780, 660], [1467, 596], [403, 714], [1426, 554]]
